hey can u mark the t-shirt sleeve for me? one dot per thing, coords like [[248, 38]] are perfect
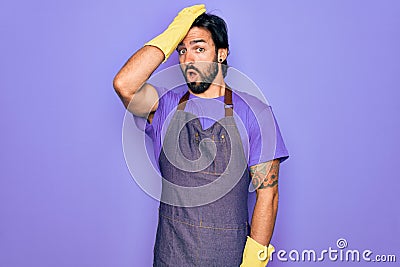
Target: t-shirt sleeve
[[142, 123], [265, 139]]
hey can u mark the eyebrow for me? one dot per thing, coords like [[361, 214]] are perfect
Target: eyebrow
[[193, 42], [198, 41]]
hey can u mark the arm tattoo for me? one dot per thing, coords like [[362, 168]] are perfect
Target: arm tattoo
[[265, 174]]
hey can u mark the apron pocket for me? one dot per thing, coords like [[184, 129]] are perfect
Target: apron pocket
[[222, 246], [176, 243]]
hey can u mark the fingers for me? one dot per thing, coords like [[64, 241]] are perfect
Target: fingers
[[196, 10], [200, 11]]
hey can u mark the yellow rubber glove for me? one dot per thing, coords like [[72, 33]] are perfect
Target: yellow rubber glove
[[255, 254], [177, 30]]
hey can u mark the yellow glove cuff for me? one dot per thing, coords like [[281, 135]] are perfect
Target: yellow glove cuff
[[255, 254]]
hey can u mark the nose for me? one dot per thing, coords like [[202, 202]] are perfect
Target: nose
[[188, 58]]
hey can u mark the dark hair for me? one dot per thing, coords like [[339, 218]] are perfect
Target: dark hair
[[219, 33]]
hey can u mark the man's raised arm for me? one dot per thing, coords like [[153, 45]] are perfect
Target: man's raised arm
[[139, 97]]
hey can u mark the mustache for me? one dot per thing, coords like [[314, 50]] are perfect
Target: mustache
[[191, 67]]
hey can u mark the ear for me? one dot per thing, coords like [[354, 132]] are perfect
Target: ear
[[222, 54]]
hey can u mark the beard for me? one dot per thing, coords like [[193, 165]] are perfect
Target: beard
[[206, 77]]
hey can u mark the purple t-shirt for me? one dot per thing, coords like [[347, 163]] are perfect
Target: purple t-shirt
[[259, 131]]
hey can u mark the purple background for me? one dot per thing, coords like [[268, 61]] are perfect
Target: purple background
[[330, 69]]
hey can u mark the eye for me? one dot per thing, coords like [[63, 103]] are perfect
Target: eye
[[200, 49], [182, 51]]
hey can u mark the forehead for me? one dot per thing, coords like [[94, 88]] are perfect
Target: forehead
[[197, 33]]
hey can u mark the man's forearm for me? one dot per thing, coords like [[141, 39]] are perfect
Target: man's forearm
[[137, 70], [265, 181], [264, 215]]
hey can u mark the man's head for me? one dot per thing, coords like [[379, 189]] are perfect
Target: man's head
[[203, 52]]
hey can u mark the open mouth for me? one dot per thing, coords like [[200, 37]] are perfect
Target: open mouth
[[192, 75]]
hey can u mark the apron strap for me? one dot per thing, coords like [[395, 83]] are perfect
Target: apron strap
[[227, 101], [183, 100]]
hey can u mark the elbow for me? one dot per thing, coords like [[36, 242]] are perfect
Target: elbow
[[268, 196], [118, 85], [121, 89]]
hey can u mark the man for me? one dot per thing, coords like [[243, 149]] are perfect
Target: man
[[214, 232]]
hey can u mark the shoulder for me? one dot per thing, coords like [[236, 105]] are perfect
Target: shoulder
[[247, 103], [169, 98], [174, 93]]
